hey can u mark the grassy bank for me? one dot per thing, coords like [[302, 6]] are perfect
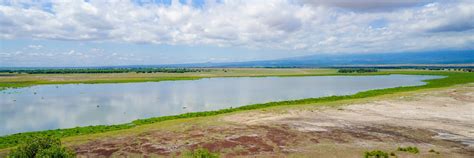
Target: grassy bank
[[452, 78], [20, 84], [26, 80]]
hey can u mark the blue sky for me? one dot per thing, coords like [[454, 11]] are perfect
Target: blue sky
[[149, 32], [86, 53]]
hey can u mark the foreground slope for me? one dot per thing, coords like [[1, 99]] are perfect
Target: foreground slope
[[439, 119]]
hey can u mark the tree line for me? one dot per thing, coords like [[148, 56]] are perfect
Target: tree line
[[104, 70], [451, 69], [357, 70], [375, 69]]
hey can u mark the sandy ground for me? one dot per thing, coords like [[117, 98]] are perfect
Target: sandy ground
[[442, 120]]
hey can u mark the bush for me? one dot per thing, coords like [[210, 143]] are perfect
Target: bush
[[376, 154], [202, 153], [41, 147], [409, 149], [433, 151]]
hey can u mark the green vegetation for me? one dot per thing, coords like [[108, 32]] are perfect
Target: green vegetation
[[429, 67], [375, 154], [451, 69], [409, 149], [452, 78], [20, 84], [357, 70], [103, 70], [41, 147], [383, 154], [14, 80], [201, 153]]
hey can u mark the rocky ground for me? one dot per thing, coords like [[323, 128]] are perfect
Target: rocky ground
[[441, 120]]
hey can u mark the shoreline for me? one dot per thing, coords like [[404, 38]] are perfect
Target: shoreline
[[39, 79]]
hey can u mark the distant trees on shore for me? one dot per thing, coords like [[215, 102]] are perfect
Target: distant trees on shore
[[375, 69], [185, 70], [452, 69], [104, 70], [357, 70]]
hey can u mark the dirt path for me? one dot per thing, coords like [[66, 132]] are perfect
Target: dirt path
[[442, 120]]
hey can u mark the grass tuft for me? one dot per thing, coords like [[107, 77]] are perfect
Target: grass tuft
[[409, 149], [201, 153], [376, 154]]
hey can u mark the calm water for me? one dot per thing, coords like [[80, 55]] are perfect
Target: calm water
[[64, 106]]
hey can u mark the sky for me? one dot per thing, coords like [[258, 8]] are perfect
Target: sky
[[53, 33]]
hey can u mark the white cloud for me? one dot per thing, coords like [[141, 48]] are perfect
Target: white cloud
[[71, 52], [436, 17], [313, 26], [366, 5], [35, 46]]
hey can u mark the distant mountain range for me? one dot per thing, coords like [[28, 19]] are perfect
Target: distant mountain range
[[463, 58], [334, 60]]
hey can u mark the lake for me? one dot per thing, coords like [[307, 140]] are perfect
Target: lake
[[64, 106]]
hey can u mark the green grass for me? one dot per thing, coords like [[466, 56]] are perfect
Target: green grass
[[20, 84], [452, 78], [25, 80], [201, 153]]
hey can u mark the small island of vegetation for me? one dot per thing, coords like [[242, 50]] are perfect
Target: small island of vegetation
[[357, 70]]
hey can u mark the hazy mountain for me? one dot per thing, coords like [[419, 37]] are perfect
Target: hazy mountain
[[332, 60], [439, 57]]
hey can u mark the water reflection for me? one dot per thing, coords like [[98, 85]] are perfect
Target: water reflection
[[64, 106]]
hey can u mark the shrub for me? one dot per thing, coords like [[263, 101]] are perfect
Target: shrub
[[376, 154], [409, 149], [392, 154], [41, 147], [433, 151], [202, 153]]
